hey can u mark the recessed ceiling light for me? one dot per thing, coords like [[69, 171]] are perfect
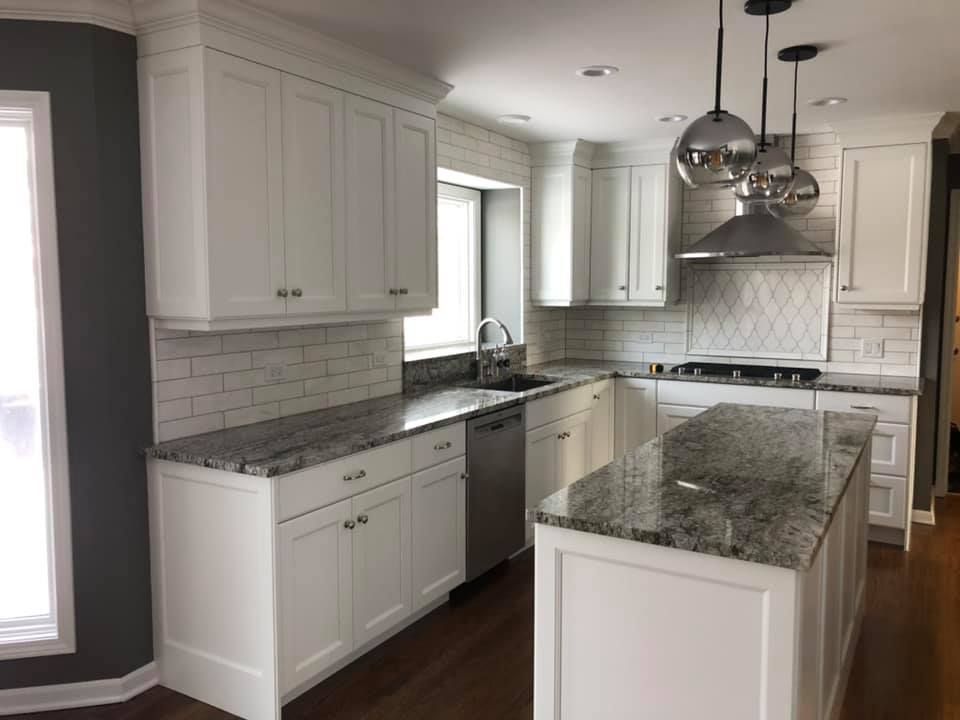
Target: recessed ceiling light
[[672, 118], [513, 119], [596, 71], [823, 102]]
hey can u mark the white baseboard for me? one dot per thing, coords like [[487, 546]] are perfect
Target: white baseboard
[[81, 694], [924, 517]]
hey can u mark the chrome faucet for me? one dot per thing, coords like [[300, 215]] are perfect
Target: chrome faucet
[[498, 352]]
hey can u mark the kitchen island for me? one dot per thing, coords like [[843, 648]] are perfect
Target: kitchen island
[[717, 571]]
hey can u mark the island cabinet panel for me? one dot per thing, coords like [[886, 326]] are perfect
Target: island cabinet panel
[[315, 558], [381, 559], [636, 409], [602, 424]]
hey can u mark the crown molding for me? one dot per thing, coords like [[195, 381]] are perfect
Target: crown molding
[[564, 152], [625, 154], [112, 14], [888, 129], [168, 24]]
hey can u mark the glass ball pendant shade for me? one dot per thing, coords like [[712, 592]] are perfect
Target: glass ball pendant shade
[[769, 178], [716, 150], [801, 199]]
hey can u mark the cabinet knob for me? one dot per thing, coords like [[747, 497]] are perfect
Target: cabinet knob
[[297, 292], [363, 519], [349, 524], [844, 288], [282, 292], [658, 287], [393, 291], [596, 397], [403, 291], [621, 287], [464, 476]]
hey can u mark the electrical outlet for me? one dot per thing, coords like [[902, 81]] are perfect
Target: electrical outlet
[[871, 348], [380, 358], [643, 337], [276, 372]]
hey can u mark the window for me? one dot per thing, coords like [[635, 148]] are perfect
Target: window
[[450, 327], [36, 604]]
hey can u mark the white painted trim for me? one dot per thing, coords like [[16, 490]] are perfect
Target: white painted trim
[[565, 152], [280, 321], [630, 154], [81, 694], [887, 130], [924, 517], [112, 14], [32, 109]]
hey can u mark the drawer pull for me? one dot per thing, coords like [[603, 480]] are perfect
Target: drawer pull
[[359, 475], [349, 524], [443, 446], [363, 519], [863, 407]]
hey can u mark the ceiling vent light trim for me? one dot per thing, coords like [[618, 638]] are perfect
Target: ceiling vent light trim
[[513, 120], [827, 101], [679, 117], [597, 71]]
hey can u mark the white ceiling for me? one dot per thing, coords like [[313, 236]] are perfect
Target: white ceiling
[[519, 56]]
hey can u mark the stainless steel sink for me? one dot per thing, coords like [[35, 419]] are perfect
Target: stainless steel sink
[[516, 383]]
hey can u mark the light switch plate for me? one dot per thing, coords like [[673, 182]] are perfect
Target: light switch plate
[[871, 348], [276, 372]]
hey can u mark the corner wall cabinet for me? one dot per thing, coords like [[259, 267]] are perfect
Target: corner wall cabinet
[[618, 250], [271, 199]]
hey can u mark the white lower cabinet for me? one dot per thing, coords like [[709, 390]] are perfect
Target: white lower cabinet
[[602, 424], [439, 531], [636, 413], [315, 554]]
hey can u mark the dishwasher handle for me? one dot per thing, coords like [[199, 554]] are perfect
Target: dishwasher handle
[[500, 424]]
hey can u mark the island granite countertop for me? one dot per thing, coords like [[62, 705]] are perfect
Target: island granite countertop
[[759, 484], [277, 447]]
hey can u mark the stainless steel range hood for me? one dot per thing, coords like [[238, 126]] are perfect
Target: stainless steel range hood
[[753, 232]]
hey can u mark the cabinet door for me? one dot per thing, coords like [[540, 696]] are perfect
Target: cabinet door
[[881, 239], [381, 559], [636, 407], [610, 222], [580, 269], [315, 592], [542, 466], [244, 187], [551, 260], [648, 234], [439, 531], [416, 207], [602, 423], [371, 220], [314, 203], [575, 449], [671, 416]]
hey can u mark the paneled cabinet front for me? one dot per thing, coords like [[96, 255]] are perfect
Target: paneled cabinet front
[[272, 199]]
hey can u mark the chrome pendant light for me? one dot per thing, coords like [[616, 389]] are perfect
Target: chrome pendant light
[[805, 193], [717, 149], [771, 175]]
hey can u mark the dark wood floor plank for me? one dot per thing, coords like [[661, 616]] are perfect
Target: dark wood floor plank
[[473, 658]]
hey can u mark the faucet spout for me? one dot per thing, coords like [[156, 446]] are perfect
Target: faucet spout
[[507, 340]]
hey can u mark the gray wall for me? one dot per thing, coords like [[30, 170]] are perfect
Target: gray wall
[[90, 73], [502, 246]]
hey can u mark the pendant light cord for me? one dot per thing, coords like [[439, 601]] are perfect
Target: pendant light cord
[[763, 115], [716, 107], [793, 137]]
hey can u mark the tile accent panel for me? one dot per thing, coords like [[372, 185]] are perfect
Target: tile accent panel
[[210, 381], [660, 335]]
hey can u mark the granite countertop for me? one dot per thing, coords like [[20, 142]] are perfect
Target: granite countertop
[[753, 483], [276, 447]]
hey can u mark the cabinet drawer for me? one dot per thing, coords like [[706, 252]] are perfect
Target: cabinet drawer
[[558, 406], [301, 492], [887, 408], [437, 446], [891, 449], [701, 394], [888, 501]]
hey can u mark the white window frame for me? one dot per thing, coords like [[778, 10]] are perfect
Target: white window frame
[[420, 352], [53, 634]]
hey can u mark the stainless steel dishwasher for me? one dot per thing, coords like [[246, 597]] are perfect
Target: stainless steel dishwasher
[[496, 467]]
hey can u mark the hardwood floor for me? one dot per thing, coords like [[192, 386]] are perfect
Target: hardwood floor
[[473, 659]]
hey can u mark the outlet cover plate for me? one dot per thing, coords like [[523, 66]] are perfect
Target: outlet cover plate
[[871, 348], [276, 372], [380, 358]]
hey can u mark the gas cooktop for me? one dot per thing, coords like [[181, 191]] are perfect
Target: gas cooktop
[[767, 372]]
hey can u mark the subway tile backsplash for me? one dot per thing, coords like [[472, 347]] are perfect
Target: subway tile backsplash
[[210, 381]]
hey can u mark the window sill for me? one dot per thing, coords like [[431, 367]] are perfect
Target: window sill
[[438, 352]]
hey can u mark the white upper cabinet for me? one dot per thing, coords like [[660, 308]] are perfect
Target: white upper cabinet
[[883, 226], [609, 239], [560, 235], [314, 198], [271, 199], [371, 197], [651, 254], [416, 210]]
